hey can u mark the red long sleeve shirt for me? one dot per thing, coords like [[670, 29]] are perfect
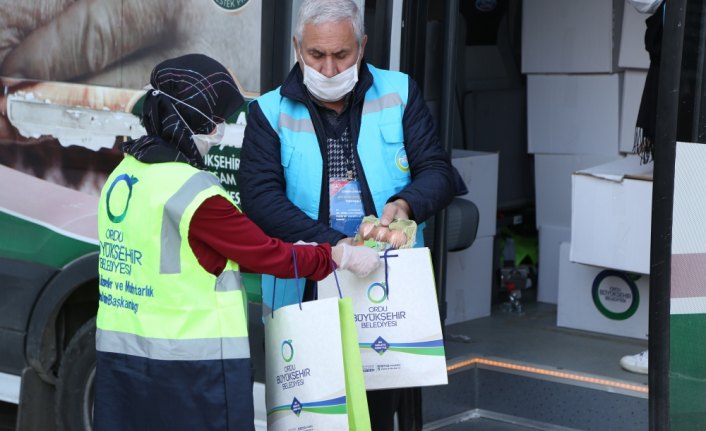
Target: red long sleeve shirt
[[218, 231]]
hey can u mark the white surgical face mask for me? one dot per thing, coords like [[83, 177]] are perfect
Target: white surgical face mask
[[205, 142], [330, 89]]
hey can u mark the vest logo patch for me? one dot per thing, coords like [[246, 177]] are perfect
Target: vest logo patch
[[401, 160], [117, 205]]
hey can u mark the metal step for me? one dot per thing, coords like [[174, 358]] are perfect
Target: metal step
[[481, 420], [497, 394]]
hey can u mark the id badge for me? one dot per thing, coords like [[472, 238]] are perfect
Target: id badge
[[346, 205]]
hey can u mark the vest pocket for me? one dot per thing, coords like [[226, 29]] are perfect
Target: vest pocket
[[301, 187], [392, 132], [394, 155]]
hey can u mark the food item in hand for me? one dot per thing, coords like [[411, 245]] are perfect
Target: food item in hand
[[366, 229], [396, 238], [399, 234], [382, 233]]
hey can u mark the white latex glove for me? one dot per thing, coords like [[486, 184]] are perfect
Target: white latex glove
[[359, 260], [300, 242]]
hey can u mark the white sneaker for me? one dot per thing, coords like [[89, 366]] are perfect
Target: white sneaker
[[635, 363]]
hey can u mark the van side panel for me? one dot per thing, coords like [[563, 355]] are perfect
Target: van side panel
[[21, 284]]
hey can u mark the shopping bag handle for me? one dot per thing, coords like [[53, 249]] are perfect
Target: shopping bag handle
[[335, 276], [386, 256], [296, 280]]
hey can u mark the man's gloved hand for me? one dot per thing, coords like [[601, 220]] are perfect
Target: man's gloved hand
[[360, 260]]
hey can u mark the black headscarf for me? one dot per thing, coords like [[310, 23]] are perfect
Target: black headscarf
[[191, 89]]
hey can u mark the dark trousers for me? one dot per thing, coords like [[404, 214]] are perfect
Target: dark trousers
[[407, 403]]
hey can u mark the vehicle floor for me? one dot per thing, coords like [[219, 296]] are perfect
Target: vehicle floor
[[534, 337]]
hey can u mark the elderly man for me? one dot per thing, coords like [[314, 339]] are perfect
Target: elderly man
[[341, 139]]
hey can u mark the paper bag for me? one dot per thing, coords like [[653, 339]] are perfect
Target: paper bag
[[397, 318], [314, 379]]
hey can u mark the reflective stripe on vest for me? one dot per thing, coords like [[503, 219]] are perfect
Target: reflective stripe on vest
[[170, 244], [164, 305], [166, 349]]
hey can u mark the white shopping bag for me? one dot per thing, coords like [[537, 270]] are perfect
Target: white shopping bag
[[397, 317], [305, 381]]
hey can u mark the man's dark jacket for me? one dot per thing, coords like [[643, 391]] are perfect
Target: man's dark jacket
[[262, 184]]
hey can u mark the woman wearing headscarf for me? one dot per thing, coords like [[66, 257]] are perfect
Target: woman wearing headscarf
[[172, 342]]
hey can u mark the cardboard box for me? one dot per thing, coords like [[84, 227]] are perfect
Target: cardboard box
[[570, 36], [573, 114], [469, 281], [479, 171], [552, 179], [611, 215], [632, 54], [602, 300], [550, 238], [631, 95]]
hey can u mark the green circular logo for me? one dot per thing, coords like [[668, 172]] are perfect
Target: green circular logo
[[231, 5], [377, 293], [129, 181], [287, 350], [615, 289]]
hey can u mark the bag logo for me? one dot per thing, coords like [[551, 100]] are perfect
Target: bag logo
[[287, 350], [380, 345], [231, 5], [377, 293], [296, 406], [615, 295], [401, 160], [129, 181]]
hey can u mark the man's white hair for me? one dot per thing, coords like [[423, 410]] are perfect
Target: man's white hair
[[322, 11]]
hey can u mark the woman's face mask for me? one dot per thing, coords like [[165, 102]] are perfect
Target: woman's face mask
[[330, 89], [205, 142]]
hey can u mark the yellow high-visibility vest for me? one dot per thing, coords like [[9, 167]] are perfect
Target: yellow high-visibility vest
[[156, 301]]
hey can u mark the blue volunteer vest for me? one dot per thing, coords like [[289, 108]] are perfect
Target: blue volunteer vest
[[380, 148]]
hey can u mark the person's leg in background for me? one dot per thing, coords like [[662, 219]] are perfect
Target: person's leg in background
[[637, 363], [409, 413], [406, 402], [382, 405]]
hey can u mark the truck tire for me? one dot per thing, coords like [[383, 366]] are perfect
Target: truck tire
[[74, 385]]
